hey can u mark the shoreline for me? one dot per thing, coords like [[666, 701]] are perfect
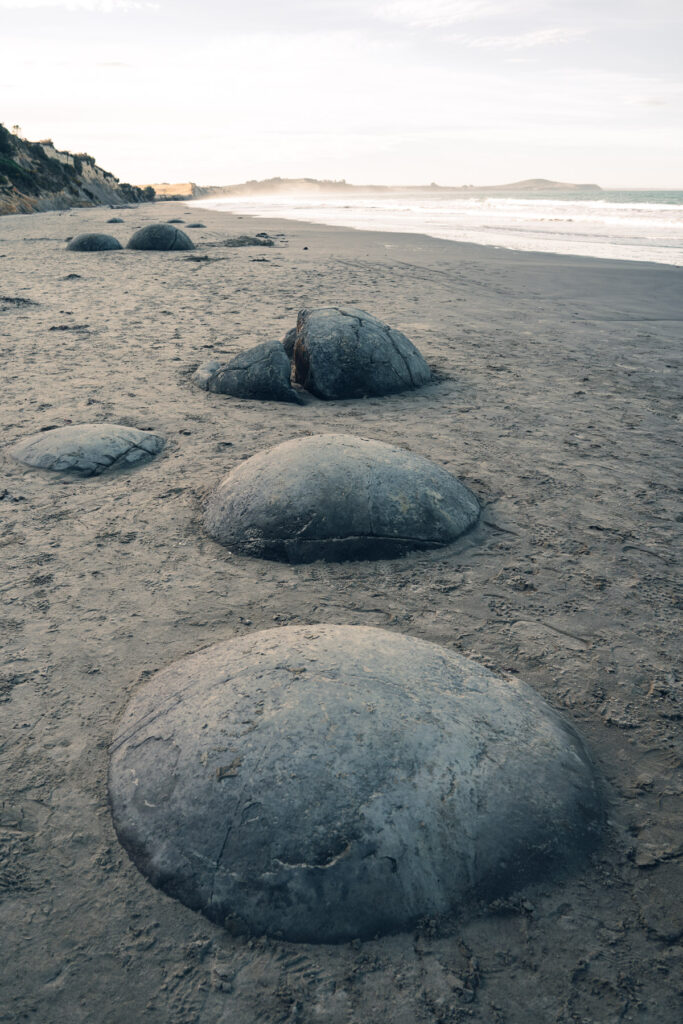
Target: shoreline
[[555, 400], [530, 229]]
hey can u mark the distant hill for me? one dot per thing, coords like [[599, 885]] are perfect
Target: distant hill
[[36, 176], [304, 186]]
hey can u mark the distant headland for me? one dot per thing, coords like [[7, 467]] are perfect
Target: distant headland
[[287, 186]]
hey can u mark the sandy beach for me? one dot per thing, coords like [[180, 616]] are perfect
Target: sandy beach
[[554, 400]]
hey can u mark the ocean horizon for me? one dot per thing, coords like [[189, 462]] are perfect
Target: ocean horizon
[[638, 224]]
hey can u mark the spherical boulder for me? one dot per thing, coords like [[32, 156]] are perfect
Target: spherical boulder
[[326, 783], [87, 449], [93, 242], [338, 497], [347, 353], [163, 237], [263, 371]]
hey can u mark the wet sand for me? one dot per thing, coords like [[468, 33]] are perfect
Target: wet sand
[[554, 400]]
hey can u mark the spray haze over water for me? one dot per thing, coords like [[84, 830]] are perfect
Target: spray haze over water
[[627, 225]]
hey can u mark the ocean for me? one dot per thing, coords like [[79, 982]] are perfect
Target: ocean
[[626, 225]]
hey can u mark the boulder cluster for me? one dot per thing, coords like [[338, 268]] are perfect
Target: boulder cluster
[[334, 352], [162, 237], [322, 783]]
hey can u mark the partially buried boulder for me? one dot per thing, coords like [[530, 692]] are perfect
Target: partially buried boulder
[[94, 242], [327, 783], [162, 237], [347, 353], [261, 372], [337, 497], [87, 449]]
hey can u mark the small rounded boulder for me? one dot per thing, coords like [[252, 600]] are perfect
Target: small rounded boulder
[[337, 497], [161, 237], [87, 449], [261, 372], [94, 242], [327, 783]]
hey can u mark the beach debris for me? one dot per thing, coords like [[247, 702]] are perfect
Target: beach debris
[[326, 783], [161, 237], [240, 240], [115, 220], [16, 301], [204, 372], [338, 497], [261, 372], [87, 449], [289, 341], [93, 242], [344, 352]]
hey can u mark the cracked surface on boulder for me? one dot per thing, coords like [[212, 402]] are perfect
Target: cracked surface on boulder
[[343, 352], [163, 237], [87, 449], [262, 372], [338, 497], [322, 783]]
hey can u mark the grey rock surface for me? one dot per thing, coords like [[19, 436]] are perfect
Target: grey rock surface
[[115, 220], [204, 372], [289, 341], [262, 372], [87, 449], [323, 783], [338, 497], [343, 352], [93, 242], [163, 237]]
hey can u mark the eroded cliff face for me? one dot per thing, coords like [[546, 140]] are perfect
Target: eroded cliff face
[[36, 176]]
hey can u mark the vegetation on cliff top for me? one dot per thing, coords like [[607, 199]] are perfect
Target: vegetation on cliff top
[[29, 175]]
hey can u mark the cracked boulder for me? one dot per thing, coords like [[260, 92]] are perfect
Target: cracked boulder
[[164, 237], [347, 353], [327, 783], [261, 372], [337, 497], [87, 449], [94, 242]]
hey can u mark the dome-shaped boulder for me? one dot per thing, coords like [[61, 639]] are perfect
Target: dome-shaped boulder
[[347, 353], [87, 449], [338, 497], [322, 783], [162, 237], [263, 371], [93, 242]]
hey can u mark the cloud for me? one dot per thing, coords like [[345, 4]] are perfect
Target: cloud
[[438, 13], [527, 40], [99, 6]]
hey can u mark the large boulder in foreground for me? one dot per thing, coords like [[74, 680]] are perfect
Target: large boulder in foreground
[[323, 783], [164, 237], [94, 242], [87, 449], [347, 353], [338, 497], [262, 372]]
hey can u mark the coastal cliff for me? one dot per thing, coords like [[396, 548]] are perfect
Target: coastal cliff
[[36, 176]]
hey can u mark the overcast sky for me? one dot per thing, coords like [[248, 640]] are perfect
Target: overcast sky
[[393, 91]]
